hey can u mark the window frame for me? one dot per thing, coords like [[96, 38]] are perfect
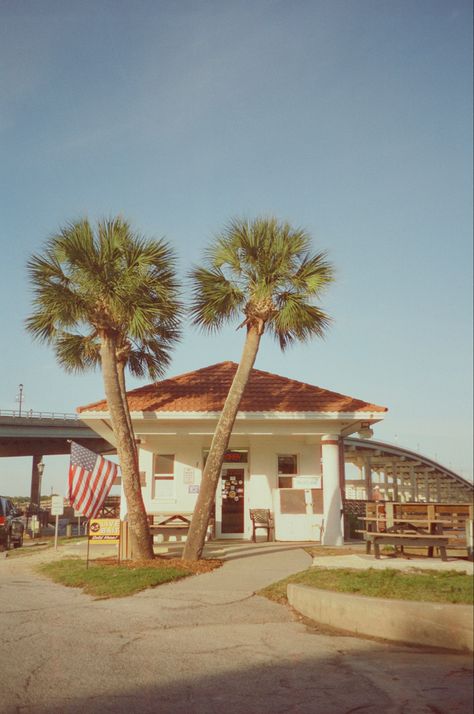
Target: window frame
[[288, 476], [160, 477]]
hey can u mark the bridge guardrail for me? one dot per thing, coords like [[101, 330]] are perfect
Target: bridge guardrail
[[30, 414]]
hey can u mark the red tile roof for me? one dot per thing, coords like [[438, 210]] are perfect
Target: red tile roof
[[205, 390]]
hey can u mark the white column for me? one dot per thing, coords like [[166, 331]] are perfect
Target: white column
[[395, 480], [332, 501]]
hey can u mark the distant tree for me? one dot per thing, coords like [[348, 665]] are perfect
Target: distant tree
[[107, 290], [263, 270]]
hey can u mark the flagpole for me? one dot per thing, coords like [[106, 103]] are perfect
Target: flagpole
[[88, 541], [56, 528]]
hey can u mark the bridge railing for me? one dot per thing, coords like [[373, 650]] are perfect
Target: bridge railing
[[30, 414]]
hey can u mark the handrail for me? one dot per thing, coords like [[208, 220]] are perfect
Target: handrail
[[30, 414]]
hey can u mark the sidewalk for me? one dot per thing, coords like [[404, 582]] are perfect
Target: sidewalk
[[203, 645], [363, 562]]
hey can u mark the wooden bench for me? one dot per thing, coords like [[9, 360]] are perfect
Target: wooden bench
[[261, 518], [402, 540]]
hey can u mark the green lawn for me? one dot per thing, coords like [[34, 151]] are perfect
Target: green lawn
[[105, 580], [426, 585]]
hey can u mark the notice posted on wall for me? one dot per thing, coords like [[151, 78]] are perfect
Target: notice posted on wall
[[194, 488], [307, 482], [188, 475]]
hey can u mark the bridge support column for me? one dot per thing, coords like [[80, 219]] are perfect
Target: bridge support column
[[332, 497], [36, 473]]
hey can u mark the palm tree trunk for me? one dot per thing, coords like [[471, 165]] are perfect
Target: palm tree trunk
[[123, 392], [138, 526], [220, 441]]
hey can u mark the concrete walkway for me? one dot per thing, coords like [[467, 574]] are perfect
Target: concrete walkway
[[206, 644]]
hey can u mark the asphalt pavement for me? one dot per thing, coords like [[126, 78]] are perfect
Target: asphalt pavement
[[206, 644]]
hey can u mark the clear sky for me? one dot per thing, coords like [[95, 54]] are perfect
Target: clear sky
[[352, 119]]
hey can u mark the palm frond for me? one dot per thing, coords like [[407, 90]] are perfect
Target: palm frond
[[297, 319], [215, 299], [111, 280], [264, 269], [76, 352]]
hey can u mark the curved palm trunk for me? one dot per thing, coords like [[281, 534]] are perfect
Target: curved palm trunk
[[220, 441], [138, 526]]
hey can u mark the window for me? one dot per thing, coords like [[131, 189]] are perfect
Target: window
[[163, 476], [287, 468]]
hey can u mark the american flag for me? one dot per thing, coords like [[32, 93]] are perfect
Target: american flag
[[90, 480]]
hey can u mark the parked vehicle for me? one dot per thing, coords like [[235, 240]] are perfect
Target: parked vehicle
[[12, 527]]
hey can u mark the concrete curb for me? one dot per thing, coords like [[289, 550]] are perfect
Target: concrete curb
[[421, 623]]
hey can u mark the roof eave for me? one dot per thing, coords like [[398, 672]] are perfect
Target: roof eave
[[366, 415]]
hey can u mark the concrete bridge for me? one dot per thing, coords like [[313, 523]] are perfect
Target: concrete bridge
[[45, 434], [39, 434], [401, 474]]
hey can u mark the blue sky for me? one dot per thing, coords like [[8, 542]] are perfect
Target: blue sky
[[352, 119]]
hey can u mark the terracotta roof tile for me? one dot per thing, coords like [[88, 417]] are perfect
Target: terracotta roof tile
[[205, 390]]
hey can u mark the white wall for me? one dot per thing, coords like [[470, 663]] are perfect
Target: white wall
[[262, 470]]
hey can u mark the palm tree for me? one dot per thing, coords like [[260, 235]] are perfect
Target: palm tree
[[149, 356], [264, 271], [107, 289]]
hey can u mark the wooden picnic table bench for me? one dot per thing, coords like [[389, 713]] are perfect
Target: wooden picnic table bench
[[402, 540]]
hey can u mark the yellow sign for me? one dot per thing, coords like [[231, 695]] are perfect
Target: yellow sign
[[104, 530]]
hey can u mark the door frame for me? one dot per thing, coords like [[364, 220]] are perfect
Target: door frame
[[244, 534]]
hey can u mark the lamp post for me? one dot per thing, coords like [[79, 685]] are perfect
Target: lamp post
[[19, 398], [40, 467]]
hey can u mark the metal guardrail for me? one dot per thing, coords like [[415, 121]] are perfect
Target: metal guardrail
[[30, 414]]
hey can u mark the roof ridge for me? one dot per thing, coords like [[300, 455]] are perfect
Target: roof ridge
[[213, 380]]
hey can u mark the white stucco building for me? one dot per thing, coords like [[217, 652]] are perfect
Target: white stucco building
[[285, 453]]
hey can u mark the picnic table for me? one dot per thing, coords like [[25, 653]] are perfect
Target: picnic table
[[174, 524], [169, 525], [402, 540], [405, 532]]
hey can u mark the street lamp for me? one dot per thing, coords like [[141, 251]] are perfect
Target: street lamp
[[40, 467], [19, 398]]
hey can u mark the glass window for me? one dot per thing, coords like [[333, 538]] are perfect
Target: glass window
[[288, 464], [164, 464], [163, 476], [287, 468]]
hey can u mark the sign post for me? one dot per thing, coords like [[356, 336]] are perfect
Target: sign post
[[57, 509]]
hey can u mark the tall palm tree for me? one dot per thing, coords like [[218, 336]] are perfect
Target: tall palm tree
[[115, 287], [264, 271]]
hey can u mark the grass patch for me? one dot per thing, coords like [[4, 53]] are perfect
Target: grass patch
[[424, 585], [108, 579]]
